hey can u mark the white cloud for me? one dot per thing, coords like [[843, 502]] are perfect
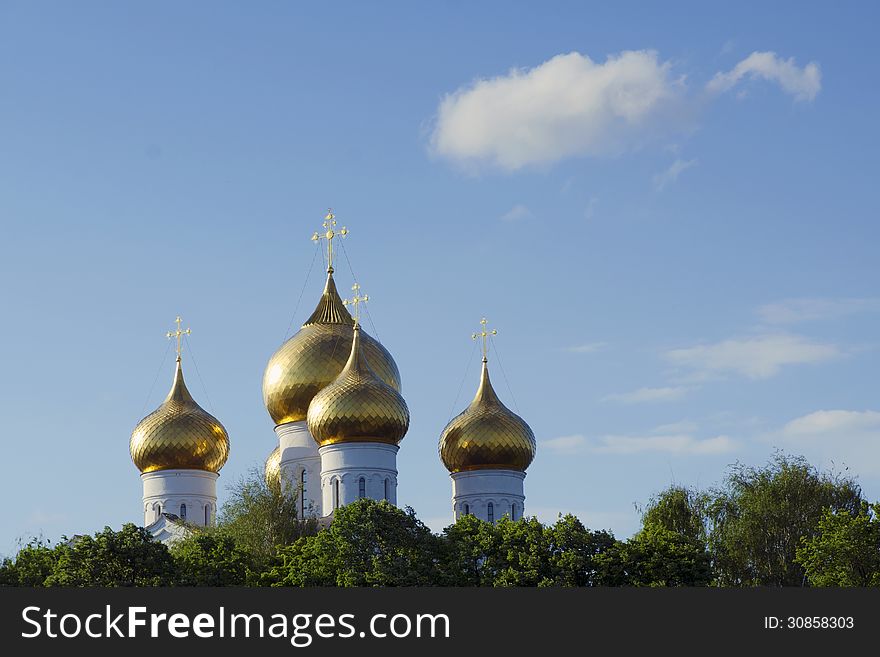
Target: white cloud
[[674, 443], [802, 83], [671, 393], [652, 441], [838, 437], [588, 348], [682, 426], [564, 444], [792, 311], [567, 106], [516, 213], [670, 175], [756, 357], [835, 424]]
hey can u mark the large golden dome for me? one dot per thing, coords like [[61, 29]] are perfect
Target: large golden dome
[[315, 356], [358, 406], [179, 434], [487, 435]]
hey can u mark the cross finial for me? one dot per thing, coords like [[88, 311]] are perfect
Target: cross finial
[[329, 234], [178, 333], [484, 334], [356, 301]]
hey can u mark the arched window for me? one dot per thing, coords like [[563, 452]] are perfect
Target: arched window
[[336, 494], [386, 489], [467, 509], [158, 511], [302, 494], [513, 511], [362, 488], [207, 515], [490, 512], [183, 511]]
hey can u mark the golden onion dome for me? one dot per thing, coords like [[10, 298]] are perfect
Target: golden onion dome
[[179, 434], [315, 356], [358, 406], [487, 435], [272, 470]]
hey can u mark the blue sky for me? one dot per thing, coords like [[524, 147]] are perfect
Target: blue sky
[[668, 213]]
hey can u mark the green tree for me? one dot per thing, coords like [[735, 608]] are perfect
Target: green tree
[[759, 517], [32, 565], [845, 551], [680, 510], [368, 543], [468, 548], [210, 558], [573, 550], [259, 517], [129, 557], [656, 556], [522, 554]]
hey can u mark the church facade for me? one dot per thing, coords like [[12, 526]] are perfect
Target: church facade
[[334, 394]]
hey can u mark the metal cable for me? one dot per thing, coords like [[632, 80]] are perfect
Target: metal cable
[[463, 378], [301, 292], [506, 382], [158, 372], [354, 278], [196, 365]]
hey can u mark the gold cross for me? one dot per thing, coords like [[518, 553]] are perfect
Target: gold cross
[[484, 334], [329, 234], [178, 334], [356, 301]]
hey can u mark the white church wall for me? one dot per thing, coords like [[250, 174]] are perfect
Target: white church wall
[[473, 491], [299, 453], [345, 464], [166, 490]]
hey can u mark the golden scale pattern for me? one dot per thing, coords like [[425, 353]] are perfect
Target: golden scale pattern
[[272, 471], [487, 435], [358, 406], [179, 434], [314, 357]]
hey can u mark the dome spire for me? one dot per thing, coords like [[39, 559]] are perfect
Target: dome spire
[[330, 308], [178, 333], [356, 301], [484, 334], [329, 234]]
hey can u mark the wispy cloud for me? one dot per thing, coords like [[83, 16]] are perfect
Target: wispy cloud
[[802, 83], [757, 357], [652, 441], [670, 393], [677, 444], [564, 444], [834, 424], [516, 213], [566, 106], [842, 437], [572, 106], [670, 175], [793, 311], [588, 348]]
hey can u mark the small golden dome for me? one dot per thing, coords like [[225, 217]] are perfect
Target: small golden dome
[[315, 356], [272, 471], [487, 435], [179, 434], [358, 406]]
